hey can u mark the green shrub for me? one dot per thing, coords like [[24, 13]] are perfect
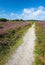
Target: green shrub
[[3, 20]]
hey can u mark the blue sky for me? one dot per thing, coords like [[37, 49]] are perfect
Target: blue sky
[[22, 9]]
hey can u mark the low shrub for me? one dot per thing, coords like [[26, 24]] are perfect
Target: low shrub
[[40, 42]]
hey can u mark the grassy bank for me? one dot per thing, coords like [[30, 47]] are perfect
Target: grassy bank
[[9, 42], [40, 43]]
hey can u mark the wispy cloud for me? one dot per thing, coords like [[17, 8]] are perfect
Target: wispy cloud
[[27, 13], [12, 14], [33, 13]]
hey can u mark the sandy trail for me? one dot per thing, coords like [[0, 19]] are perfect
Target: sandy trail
[[24, 54]]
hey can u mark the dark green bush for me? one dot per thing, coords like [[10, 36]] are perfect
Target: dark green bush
[[3, 20]]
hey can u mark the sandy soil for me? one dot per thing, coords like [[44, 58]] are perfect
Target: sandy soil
[[24, 55]]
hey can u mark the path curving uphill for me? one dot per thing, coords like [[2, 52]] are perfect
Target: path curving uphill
[[24, 54]]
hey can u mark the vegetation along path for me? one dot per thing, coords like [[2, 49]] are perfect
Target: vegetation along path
[[24, 54]]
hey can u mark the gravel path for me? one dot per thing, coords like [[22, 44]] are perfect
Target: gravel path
[[24, 54]]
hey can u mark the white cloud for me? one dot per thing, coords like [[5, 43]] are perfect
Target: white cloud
[[28, 10], [33, 13], [12, 14], [41, 7], [27, 13]]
